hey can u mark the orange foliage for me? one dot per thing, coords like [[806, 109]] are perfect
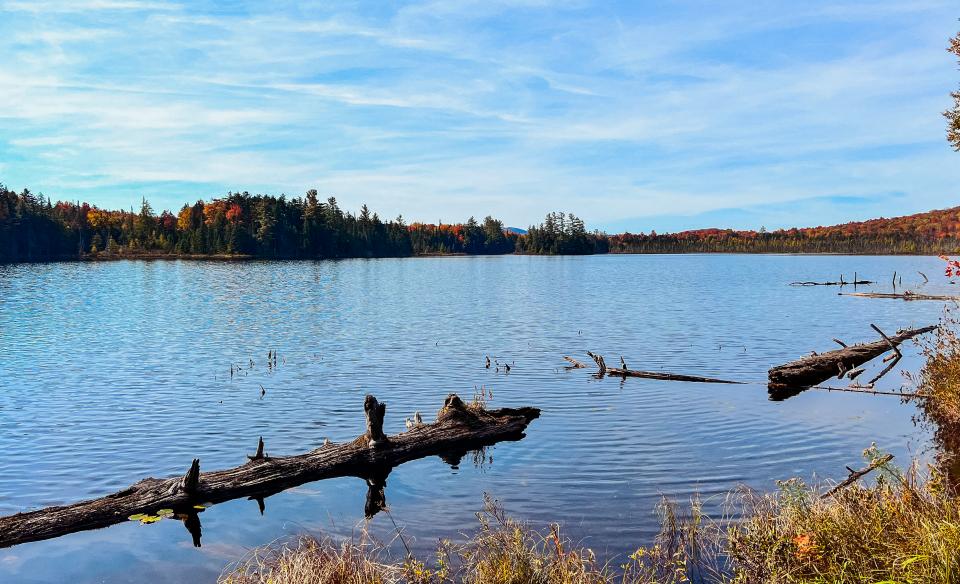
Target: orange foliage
[[214, 209], [185, 218]]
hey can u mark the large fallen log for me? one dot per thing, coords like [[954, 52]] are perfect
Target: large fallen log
[[819, 367], [624, 372], [459, 428], [903, 296]]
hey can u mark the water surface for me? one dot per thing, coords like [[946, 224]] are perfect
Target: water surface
[[110, 372]]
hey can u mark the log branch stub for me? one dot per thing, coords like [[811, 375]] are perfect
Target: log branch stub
[[893, 362], [375, 412], [191, 480], [259, 455], [601, 364]]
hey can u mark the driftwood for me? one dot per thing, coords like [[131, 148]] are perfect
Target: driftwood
[[458, 429], [902, 296], [856, 475], [817, 368], [624, 372], [842, 282]]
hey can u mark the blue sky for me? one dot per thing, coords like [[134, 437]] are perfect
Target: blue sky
[[633, 115]]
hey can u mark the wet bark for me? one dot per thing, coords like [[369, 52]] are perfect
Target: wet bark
[[819, 367]]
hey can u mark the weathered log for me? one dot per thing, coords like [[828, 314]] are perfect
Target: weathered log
[[817, 368], [661, 375], [902, 296], [840, 283], [459, 427]]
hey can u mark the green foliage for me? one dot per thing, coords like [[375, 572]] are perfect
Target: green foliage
[[562, 233], [32, 229]]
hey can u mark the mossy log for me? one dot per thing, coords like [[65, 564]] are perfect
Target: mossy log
[[819, 367], [458, 429]]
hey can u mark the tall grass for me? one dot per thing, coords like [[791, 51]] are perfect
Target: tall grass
[[903, 529], [503, 550], [938, 383]]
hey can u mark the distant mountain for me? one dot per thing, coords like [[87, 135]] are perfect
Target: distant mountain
[[516, 230]]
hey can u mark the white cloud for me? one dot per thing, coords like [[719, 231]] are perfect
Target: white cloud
[[455, 109]]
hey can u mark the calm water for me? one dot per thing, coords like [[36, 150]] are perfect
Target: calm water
[[110, 372]]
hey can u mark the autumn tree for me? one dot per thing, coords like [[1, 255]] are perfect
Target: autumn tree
[[953, 114]]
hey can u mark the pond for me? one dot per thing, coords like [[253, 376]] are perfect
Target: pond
[[114, 371]]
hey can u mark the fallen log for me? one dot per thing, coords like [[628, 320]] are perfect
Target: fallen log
[[459, 428], [902, 296], [817, 368], [840, 283], [624, 372]]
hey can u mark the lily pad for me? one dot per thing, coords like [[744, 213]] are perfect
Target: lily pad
[[199, 507], [165, 512], [137, 517], [149, 519]]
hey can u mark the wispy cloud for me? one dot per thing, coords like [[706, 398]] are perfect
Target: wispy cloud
[[626, 114]]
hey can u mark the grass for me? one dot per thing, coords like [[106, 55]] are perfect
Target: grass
[[502, 551], [903, 529]]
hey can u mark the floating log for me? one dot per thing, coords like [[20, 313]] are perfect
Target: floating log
[[902, 296], [459, 428], [663, 376], [817, 368], [842, 282]]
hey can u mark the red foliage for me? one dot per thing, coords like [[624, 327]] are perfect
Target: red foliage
[[953, 267], [234, 213]]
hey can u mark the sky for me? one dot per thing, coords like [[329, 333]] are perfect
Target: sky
[[633, 115]]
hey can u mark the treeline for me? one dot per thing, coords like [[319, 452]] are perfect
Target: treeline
[[32, 228], [564, 234], [933, 232]]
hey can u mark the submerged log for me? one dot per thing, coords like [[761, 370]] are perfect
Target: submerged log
[[817, 368], [624, 372], [902, 296], [842, 282], [459, 427]]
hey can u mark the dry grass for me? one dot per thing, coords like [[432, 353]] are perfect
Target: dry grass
[[904, 529], [939, 384], [308, 560], [502, 551]]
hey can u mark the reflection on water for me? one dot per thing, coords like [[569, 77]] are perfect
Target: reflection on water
[[116, 371]]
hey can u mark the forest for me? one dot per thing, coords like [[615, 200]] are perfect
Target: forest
[[33, 228], [930, 233]]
